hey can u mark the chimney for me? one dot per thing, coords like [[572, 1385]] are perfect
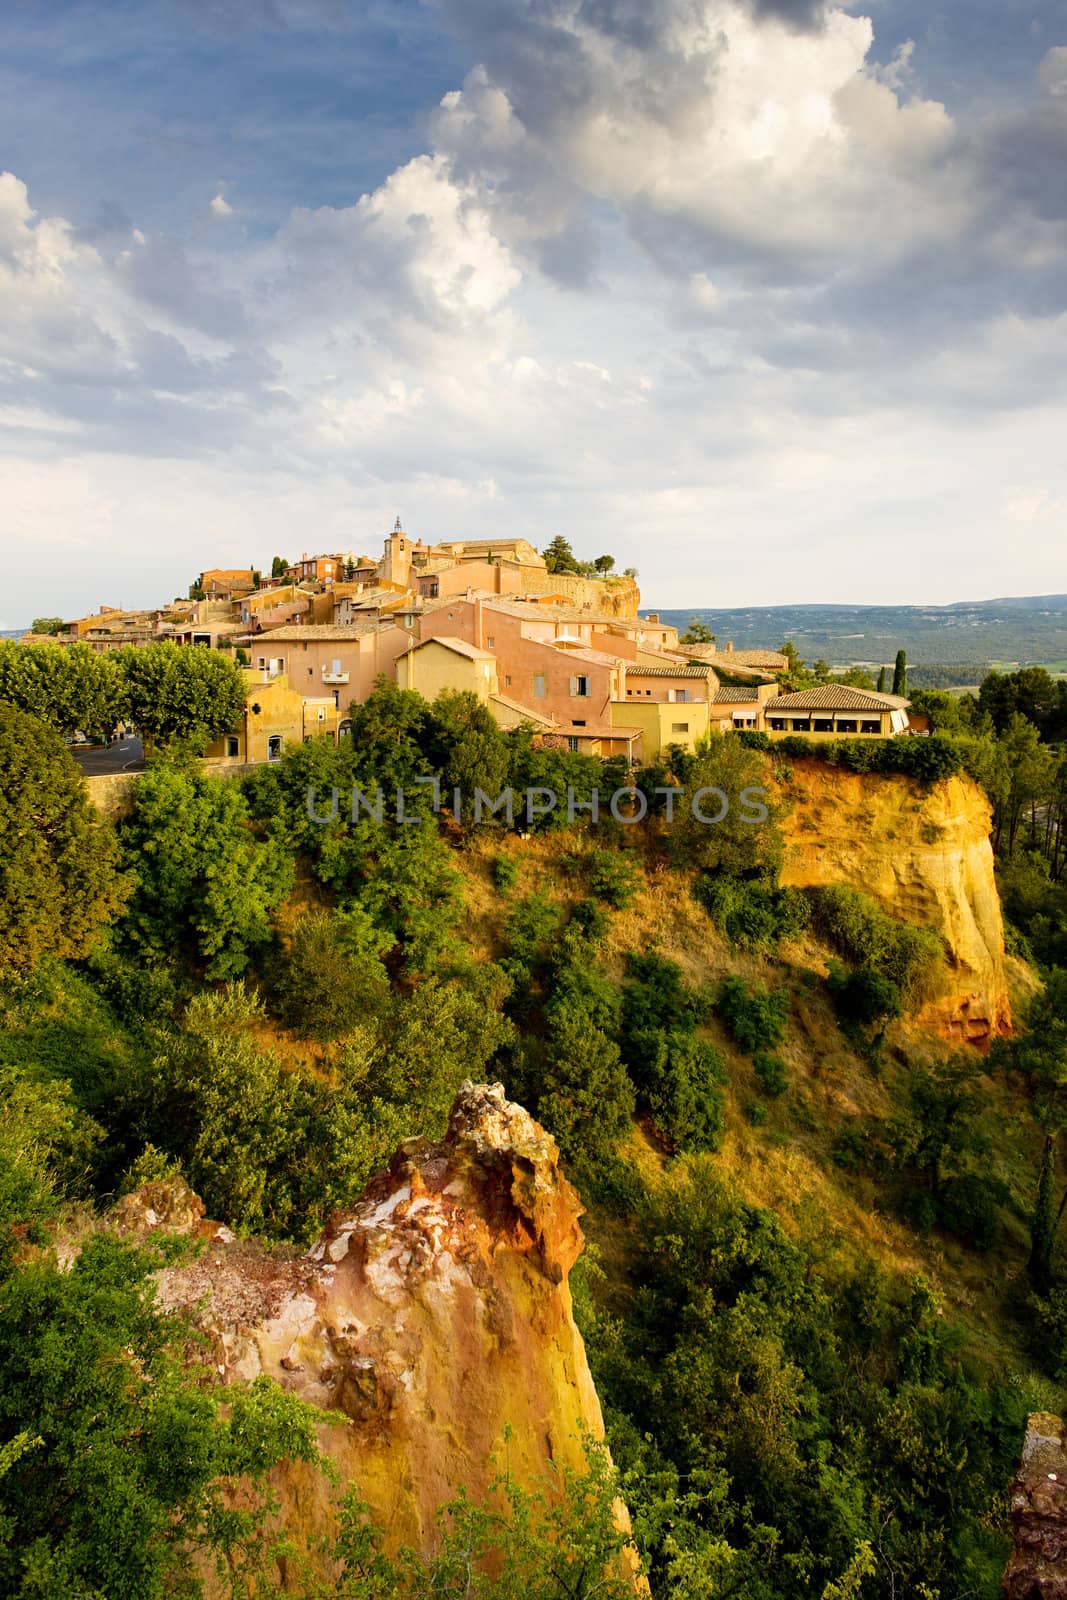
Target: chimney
[[729, 644], [653, 616]]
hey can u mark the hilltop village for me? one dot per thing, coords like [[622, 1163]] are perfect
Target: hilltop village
[[545, 643]]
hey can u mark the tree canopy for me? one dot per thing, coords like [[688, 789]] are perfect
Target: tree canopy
[[59, 877]]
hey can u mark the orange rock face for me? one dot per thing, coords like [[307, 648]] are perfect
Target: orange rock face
[[924, 856], [428, 1318]]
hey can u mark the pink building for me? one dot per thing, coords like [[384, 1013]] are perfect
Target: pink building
[[545, 658], [324, 660]]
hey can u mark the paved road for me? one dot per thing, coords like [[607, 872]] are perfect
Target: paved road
[[126, 756]]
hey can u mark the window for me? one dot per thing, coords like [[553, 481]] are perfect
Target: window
[[580, 687], [846, 727], [274, 747], [311, 672], [507, 680], [490, 643], [870, 727], [539, 686], [778, 724], [576, 724], [572, 744], [801, 724], [821, 725], [232, 748], [679, 727]]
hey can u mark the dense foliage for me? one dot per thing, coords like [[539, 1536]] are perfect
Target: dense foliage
[[268, 996]]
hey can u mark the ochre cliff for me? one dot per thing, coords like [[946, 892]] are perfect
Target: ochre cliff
[[432, 1315], [925, 856], [1037, 1566]]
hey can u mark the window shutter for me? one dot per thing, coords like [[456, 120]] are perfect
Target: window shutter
[[574, 686]]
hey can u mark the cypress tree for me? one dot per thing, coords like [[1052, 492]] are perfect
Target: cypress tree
[[900, 674], [881, 680], [1042, 1224]]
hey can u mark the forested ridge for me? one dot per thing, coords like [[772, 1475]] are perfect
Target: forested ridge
[[824, 1284]]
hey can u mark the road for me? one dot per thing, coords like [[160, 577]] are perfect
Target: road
[[126, 756]]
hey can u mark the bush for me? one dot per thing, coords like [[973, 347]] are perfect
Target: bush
[[752, 913], [613, 878], [332, 978], [967, 1207], [794, 745], [504, 873], [771, 1072], [753, 739], [863, 933], [755, 1015], [863, 996], [920, 1211]]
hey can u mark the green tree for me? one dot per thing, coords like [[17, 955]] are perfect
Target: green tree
[[176, 695], [604, 565], [697, 632], [71, 687], [559, 557], [121, 1488], [279, 567], [333, 977], [48, 625], [471, 751], [900, 674], [60, 884], [881, 680], [205, 885], [729, 781]]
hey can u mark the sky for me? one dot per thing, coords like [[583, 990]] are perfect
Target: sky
[[765, 298]]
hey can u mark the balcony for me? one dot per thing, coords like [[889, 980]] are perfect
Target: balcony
[[334, 677]]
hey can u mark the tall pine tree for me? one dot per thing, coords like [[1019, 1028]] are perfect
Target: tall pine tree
[[900, 674]]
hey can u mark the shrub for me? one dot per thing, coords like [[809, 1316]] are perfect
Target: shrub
[[755, 1015], [332, 977], [613, 878], [967, 1207], [752, 913], [863, 933], [504, 873], [795, 744], [863, 996], [771, 1072], [753, 739], [591, 919], [920, 1211]]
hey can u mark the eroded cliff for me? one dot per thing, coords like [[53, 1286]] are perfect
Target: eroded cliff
[[925, 856], [431, 1316]]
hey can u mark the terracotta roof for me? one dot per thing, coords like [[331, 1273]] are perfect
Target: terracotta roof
[[836, 697], [460, 646], [320, 633], [771, 659], [732, 697], [667, 672], [521, 712]]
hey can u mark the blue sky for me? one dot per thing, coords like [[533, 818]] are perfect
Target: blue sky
[[767, 297]]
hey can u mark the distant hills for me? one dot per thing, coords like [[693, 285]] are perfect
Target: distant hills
[[962, 639]]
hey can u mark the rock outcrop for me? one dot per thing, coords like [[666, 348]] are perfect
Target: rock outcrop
[[925, 856], [1037, 1566], [431, 1316]]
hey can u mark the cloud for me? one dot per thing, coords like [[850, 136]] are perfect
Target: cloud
[[220, 207]]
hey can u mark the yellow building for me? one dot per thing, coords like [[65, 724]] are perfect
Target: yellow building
[[276, 717], [662, 723], [448, 663]]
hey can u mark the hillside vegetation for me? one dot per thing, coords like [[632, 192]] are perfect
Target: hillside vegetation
[[824, 1285]]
